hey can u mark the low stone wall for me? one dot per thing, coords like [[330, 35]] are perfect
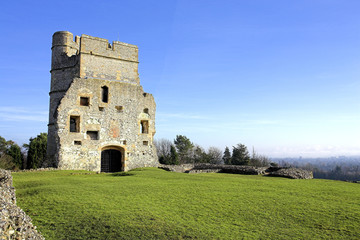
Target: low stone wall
[[294, 173], [14, 223], [177, 168]]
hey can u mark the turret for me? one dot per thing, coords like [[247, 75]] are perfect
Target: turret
[[64, 50]]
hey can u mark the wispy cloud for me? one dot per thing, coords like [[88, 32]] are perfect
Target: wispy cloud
[[316, 150], [10, 113], [179, 115]]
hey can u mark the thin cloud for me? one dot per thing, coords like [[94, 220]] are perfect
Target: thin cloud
[[179, 115], [315, 150], [21, 114]]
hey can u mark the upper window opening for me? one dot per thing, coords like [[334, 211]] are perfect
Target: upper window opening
[[84, 101], [146, 110], [144, 126], [119, 108], [104, 94], [74, 124], [93, 135]]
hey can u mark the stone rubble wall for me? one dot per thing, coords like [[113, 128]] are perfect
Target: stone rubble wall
[[294, 173], [14, 223]]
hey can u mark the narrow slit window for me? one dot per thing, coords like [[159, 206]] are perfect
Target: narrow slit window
[[144, 126], [84, 101], [74, 123], [104, 94], [77, 142], [92, 135]]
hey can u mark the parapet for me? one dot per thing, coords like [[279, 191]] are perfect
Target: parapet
[[65, 38], [102, 47], [93, 57]]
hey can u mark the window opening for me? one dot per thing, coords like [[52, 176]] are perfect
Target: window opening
[[74, 123], [124, 142], [93, 135], [84, 101], [145, 143], [146, 110], [104, 94], [144, 126], [77, 142], [101, 109], [119, 108]]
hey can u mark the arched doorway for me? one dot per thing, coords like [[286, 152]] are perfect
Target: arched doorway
[[111, 160]]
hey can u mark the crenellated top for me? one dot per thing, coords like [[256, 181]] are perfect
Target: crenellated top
[[93, 57], [95, 46], [65, 38], [102, 47]]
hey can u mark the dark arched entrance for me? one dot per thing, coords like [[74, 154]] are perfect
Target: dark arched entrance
[[111, 161]]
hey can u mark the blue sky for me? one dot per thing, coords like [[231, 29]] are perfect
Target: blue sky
[[280, 76]]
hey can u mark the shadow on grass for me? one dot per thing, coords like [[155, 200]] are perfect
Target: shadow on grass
[[121, 174]]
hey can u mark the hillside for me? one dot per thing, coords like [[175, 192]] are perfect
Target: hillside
[[152, 203]]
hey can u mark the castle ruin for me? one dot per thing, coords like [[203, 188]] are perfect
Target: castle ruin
[[100, 119]]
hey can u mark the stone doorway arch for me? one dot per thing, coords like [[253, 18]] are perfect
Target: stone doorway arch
[[112, 159]]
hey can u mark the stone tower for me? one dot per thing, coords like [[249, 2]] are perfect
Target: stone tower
[[100, 119]]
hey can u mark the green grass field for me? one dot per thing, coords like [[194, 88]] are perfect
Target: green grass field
[[155, 204]]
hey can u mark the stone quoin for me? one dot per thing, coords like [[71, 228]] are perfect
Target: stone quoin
[[100, 119]]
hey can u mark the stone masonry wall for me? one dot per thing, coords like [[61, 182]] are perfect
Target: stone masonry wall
[[80, 69], [294, 173], [120, 128], [14, 223]]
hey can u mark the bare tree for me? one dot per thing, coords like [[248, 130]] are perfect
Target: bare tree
[[215, 155], [163, 147], [258, 160]]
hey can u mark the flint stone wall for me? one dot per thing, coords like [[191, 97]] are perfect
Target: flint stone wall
[[14, 223], [121, 118], [294, 173]]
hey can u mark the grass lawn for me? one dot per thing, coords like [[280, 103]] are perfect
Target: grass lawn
[[154, 204]]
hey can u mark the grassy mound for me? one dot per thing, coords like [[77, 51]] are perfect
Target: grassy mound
[[155, 204]]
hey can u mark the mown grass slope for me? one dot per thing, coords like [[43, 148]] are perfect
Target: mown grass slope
[[155, 204]]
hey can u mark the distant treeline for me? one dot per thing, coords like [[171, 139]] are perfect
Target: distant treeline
[[182, 151], [32, 155], [341, 168]]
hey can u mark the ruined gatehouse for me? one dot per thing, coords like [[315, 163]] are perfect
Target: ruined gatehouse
[[100, 118]]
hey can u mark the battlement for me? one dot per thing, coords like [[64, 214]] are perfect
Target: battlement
[[65, 39], [94, 46], [93, 57], [102, 47]]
